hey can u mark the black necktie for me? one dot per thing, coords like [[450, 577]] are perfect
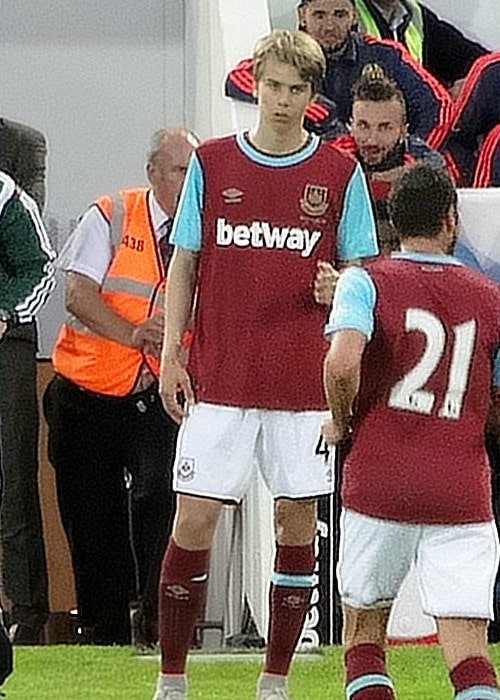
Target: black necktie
[[166, 249]]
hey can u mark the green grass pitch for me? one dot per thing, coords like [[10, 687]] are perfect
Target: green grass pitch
[[94, 673]]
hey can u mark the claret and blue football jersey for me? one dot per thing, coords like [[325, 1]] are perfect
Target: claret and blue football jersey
[[261, 223]]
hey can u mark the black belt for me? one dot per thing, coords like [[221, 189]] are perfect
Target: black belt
[[141, 398]]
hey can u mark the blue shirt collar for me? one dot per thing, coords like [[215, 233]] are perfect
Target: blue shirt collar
[[277, 161], [438, 258]]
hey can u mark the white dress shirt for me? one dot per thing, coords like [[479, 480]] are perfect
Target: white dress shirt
[[89, 251]]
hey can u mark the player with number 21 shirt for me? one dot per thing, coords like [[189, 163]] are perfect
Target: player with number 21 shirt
[[413, 364]]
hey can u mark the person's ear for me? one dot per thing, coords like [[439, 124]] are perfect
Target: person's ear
[[452, 218], [355, 21], [301, 19]]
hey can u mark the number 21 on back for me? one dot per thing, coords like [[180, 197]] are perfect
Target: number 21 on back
[[409, 393]]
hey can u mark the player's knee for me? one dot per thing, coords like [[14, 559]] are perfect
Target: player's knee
[[364, 626], [295, 521], [194, 527]]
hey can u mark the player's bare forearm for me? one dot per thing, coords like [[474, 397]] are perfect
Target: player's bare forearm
[[341, 376], [181, 285], [341, 390]]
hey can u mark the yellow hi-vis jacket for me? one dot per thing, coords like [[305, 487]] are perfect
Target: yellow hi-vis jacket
[[414, 34]]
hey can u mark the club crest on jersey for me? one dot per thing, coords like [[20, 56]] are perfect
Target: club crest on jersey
[[314, 201], [232, 196], [186, 469]]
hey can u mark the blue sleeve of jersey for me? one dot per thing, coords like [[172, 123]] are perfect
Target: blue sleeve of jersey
[[496, 370], [186, 230], [467, 256], [354, 303], [356, 236]]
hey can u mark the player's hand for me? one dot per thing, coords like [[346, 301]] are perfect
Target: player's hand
[[148, 336], [331, 433], [325, 283], [174, 380], [3, 328]]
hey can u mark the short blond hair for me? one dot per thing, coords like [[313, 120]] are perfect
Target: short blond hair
[[295, 48]]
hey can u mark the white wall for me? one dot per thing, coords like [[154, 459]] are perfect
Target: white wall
[[218, 34], [98, 77], [478, 20]]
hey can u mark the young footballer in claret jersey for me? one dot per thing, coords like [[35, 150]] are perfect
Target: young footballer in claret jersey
[[415, 337], [260, 211]]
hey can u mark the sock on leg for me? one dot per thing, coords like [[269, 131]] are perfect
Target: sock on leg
[[290, 596], [474, 678], [271, 683], [183, 584], [366, 674]]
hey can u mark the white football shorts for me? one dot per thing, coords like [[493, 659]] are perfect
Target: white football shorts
[[218, 448], [456, 565]]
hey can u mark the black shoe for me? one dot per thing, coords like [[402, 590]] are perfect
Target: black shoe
[[6, 665], [24, 635], [144, 629]]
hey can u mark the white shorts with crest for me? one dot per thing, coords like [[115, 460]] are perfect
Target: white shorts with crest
[[219, 447], [455, 565]]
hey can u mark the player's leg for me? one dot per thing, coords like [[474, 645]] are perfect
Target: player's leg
[[290, 591], [295, 472], [183, 586], [364, 639], [457, 568], [213, 464], [465, 650], [375, 556]]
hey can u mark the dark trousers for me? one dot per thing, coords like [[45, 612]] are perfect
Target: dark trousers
[[6, 660], [116, 540], [24, 567]]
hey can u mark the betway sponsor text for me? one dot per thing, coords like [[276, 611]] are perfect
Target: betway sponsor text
[[262, 234]]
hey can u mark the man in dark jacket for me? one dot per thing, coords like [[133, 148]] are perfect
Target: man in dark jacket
[[26, 279], [331, 23], [23, 153], [470, 137], [487, 173]]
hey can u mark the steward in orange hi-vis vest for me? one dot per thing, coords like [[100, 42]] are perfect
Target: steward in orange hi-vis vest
[[134, 288]]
